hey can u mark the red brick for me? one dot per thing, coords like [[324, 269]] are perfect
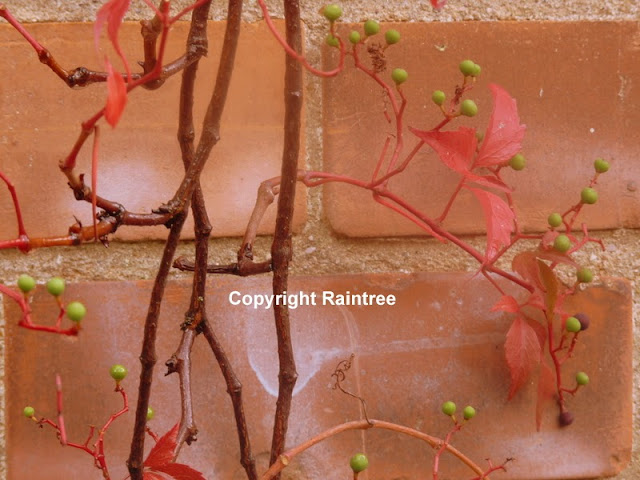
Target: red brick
[[438, 342], [140, 163], [568, 78]]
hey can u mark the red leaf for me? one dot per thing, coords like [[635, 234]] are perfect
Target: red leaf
[[147, 475], [111, 12], [456, 149], [178, 471], [522, 350], [507, 304], [546, 391], [541, 332], [438, 4], [525, 264], [499, 218], [116, 96], [162, 452], [504, 135]]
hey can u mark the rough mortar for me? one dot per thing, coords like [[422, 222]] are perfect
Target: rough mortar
[[140, 261]]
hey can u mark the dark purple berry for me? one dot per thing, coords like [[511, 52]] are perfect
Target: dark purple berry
[[584, 320], [565, 419]]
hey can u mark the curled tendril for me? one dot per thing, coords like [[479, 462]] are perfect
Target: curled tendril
[[340, 375]]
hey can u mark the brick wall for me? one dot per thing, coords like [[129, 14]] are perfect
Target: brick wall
[[572, 65]]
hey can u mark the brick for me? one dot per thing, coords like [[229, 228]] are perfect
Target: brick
[[577, 91], [140, 164], [438, 342]]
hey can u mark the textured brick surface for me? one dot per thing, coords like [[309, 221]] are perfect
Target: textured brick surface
[[577, 89], [438, 342], [140, 164]]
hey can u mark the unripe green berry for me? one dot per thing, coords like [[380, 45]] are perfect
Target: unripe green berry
[[467, 67], [391, 37], [573, 325], [118, 372], [76, 311], [399, 75], [584, 275], [562, 243], [468, 108], [601, 165], [332, 41], [449, 408], [476, 70], [26, 283], [518, 162], [29, 412], [359, 462], [438, 97], [555, 220], [371, 27], [55, 286], [354, 37], [332, 12], [582, 378], [589, 196], [150, 413], [469, 412]]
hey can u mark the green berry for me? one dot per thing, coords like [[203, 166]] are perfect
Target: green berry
[[573, 325], [55, 286], [371, 27], [555, 220], [76, 311], [150, 413], [601, 165], [391, 37], [354, 37], [582, 378], [584, 275], [438, 97], [476, 70], [468, 108], [332, 12], [359, 462], [26, 283], [29, 412], [518, 162], [467, 67], [399, 75], [332, 41], [469, 412], [449, 408], [589, 196], [118, 372], [562, 243]]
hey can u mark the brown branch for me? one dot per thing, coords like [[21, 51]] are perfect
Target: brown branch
[[241, 269], [283, 460], [281, 249], [180, 363], [148, 355], [234, 389]]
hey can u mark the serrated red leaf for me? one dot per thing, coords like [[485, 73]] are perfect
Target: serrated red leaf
[[525, 264], [506, 304], [149, 475], [503, 138], [550, 283], [541, 332], [112, 13], [438, 4], [499, 219], [546, 391], [162, 452], [179, 471], [522, 351], [116, 96], [456, 150]]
